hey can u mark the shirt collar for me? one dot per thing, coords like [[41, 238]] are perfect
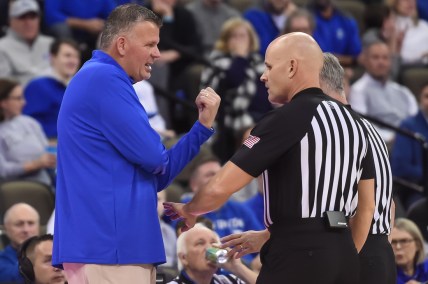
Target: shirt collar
[[101, 56], [308, 91], [372, 80]]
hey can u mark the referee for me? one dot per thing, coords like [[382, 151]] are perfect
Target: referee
[[314, 156], [377, 262]]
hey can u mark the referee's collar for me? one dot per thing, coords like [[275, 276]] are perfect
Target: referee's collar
[[308, 91]]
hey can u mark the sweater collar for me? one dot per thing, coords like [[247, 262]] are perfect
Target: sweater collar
[[103, 57]]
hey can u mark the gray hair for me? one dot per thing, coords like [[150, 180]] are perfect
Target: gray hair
[[181, 242], [11, 211], [332, 75], [122, 19]]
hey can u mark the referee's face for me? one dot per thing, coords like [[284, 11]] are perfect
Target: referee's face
[[275, 75]]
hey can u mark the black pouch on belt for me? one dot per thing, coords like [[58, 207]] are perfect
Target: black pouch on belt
[[336, 220]]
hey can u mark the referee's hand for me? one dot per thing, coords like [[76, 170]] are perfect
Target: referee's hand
[[177, 211], [241, 244]]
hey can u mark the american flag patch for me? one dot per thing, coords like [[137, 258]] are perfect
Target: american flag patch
[[251, 141]]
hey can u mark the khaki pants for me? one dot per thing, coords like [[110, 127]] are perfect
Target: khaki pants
[[79, 273]]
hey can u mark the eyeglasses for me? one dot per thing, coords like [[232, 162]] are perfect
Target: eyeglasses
[[402, 242]]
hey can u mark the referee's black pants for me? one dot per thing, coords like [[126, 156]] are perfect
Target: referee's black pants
[[377, 261], [309, 252]]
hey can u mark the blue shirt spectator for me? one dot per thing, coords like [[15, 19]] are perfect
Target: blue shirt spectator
[[423, 9], [338, 34], [44, 94], [58, 11], [9, 265]]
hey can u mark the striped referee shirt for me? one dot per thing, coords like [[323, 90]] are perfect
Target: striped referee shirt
[[312, 152], [381, 223]]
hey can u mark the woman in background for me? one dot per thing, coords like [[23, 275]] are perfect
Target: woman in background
[[408, 246], [235, 75], [414, 49], [22, 141]]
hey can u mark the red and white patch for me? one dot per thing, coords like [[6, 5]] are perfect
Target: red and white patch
[[251, 141]]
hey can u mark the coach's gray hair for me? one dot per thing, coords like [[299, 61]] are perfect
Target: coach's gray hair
[[332, 74], [122, 19]]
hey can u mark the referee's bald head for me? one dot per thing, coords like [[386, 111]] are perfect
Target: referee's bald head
[[293, 63]]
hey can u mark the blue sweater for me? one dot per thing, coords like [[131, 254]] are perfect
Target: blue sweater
[[264, 26], [44, 96], [420, 275], [9, 265], [111, 164], [338, 35], [407, 157], [256, 205], [57, 11]]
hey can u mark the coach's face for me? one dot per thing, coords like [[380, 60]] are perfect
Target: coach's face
[[141, 50]]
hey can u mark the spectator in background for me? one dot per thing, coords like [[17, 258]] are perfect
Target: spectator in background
[[269, 21], [82, 20], [35, 264], [22, 141], [146, 96], [232, 217], [4, 8], [236, 67], [301, 20], [407, 157], [375, 95], [21, 221], [180, 48], [24, 52], [168, 234], [336, 32], [423, 9], [380, 26], [414, 49], [210, 16], [196, 268], [408, 246], [44, 94]]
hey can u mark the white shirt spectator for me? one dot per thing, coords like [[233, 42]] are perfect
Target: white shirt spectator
[[389, 102]]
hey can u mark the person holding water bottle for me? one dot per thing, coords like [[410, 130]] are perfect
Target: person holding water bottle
[[199, 259]]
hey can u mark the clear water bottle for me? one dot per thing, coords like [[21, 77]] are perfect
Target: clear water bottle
[[216, 255]]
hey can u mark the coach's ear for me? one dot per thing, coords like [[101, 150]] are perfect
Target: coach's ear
[[121, 45]]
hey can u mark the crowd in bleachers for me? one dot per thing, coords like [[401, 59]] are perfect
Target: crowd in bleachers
[[382, 44]]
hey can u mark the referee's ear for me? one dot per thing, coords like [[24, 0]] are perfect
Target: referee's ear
[[292, 69]]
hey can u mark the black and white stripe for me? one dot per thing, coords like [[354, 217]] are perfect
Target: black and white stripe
[[331, 155], [382, 217]]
